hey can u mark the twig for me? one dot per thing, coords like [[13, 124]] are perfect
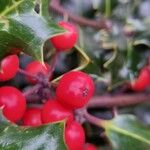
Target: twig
[[32, 90], [56, 6], [21, 71], [115, 111], [53, 65], [118, 100], [39, 78]]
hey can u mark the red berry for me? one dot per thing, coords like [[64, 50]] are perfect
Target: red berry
[[67, 40], [9, 67], [74, 136], [89, 146], [143, 80], [32, 117], [75, 89], [35, 68], [53, 111], [13, 101]]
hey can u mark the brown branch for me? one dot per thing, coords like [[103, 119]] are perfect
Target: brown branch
[[103, 24], [118, 100]]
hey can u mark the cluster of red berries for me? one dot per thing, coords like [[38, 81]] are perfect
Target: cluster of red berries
[[143, 80], [74, 90]]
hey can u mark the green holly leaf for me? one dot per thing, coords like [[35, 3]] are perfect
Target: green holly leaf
[[9, 7], [44, 7], [45, 137], [84, 60], [21, 27], [126, 133]]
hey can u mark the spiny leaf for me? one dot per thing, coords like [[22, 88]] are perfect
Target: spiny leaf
[[45, 137], [21, 27], [126, 133], [10, 7], [44, 5], [84, 60]]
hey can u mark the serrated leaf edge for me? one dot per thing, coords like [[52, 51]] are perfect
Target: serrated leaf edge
[[80, 67], [114, 55]]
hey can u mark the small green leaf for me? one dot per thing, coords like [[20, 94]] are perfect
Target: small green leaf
[[126, 133], [45, 137]]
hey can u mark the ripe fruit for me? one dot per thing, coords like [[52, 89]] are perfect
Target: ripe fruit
[[9, 67], [35, 68], [143, 80], [74, 136], [75, 89], [53, 111], [67, 40], [32, 117], [13, 103], [89, 146]]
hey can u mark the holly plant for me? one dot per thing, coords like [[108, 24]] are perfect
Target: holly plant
[[58, 91]]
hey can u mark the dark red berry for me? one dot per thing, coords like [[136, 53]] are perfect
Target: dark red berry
[[89, 146], [74, 136], [53, 111], [35, 68], [32, 117], [9, 67], [75, 89], [143, 80], [13, 103], [67, 40]]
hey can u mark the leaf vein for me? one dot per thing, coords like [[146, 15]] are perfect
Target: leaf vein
[[127, 133]]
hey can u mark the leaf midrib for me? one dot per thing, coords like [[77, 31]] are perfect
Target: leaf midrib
[[7, 10], [127, 133]]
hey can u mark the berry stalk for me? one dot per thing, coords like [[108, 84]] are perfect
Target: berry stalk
[[25, 73], [93, 120], [53, 65]]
